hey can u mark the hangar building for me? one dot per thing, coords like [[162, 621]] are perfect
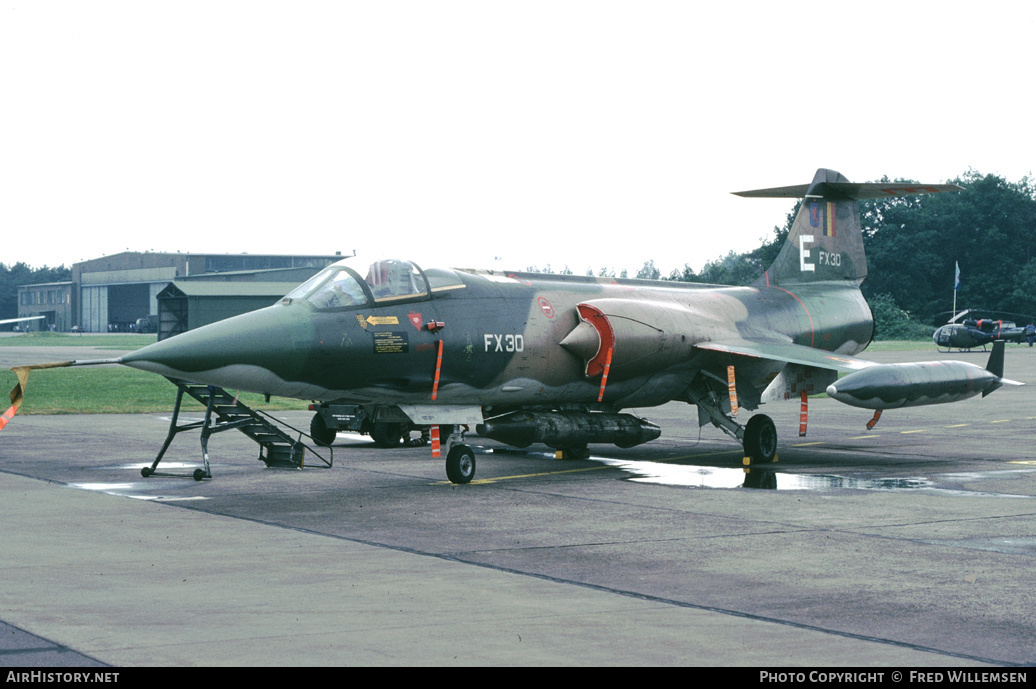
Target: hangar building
[[111, 293]]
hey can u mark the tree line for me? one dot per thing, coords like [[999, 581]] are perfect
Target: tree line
[[913, 245], [21, 274]]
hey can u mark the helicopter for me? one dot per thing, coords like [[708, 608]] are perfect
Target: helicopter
[[971, 333]]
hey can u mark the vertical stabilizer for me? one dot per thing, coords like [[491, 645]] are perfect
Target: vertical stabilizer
[[826, 240], [995, 365]]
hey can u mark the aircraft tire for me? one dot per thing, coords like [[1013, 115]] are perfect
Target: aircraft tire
[[323, 435], [760, 439], [387, 434], [460, 464]]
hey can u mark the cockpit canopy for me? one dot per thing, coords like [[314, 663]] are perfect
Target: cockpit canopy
[[387, 281]]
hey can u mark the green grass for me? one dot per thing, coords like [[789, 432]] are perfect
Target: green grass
[[112, 390], [122, 390], [900, 345]]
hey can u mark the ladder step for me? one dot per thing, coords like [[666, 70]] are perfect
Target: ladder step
[[277, 447], [282, 456]]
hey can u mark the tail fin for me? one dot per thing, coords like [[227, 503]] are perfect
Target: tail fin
[[826, 240], [995, 365]]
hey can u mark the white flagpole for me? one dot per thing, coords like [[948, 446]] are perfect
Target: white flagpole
[[956, 285]]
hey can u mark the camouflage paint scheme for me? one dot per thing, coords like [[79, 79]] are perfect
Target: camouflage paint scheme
[[520, 341], [502, 336]]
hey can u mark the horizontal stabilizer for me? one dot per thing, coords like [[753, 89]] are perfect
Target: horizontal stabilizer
[[849, 190], [825, 240]]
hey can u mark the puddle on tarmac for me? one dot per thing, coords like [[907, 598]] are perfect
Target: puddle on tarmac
[[137, 491], [147, 489], [768, 479]]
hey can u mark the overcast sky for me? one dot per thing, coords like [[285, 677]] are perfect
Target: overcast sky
[[484, 134]]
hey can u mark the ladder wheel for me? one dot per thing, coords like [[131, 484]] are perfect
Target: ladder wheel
[[199, 474]]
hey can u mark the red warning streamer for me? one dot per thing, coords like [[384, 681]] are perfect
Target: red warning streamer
[[604, 376], [436, 450], [872, 422], [18, 393], [438, 370], [803, 414], [732, 390], [7, 416]]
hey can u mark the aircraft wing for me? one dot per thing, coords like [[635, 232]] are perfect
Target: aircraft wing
[[788, 353]]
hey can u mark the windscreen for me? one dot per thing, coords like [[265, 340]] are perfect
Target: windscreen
[[334, 287]]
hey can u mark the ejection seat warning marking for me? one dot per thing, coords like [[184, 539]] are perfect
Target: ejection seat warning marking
[[391, 342]]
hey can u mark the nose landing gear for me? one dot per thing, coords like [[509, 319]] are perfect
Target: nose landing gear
[[460, 459]]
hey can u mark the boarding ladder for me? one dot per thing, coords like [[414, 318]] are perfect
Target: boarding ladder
[[224, 412]]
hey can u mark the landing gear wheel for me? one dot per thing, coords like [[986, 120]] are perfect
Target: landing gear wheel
[[387, 434], [760, 439], [460, 464], [320, 432]]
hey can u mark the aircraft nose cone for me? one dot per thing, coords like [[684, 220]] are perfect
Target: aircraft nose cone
[[258, 351]]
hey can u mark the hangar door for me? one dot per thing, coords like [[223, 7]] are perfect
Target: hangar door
[[94, 309]]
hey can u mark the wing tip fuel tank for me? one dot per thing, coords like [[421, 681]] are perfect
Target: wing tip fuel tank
[[890, 386]]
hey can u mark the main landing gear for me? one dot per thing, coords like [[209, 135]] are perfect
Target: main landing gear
[[758, 436], [760, 439]]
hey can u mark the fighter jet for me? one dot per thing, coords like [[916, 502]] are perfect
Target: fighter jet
[[528, 358]]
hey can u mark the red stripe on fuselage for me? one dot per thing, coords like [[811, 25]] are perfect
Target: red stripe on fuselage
[[812, 328]]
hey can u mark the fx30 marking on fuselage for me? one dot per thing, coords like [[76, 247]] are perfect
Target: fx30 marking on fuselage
[[504, 343], [824, 258]]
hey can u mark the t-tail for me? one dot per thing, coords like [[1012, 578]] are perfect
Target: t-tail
[[825, 243]]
